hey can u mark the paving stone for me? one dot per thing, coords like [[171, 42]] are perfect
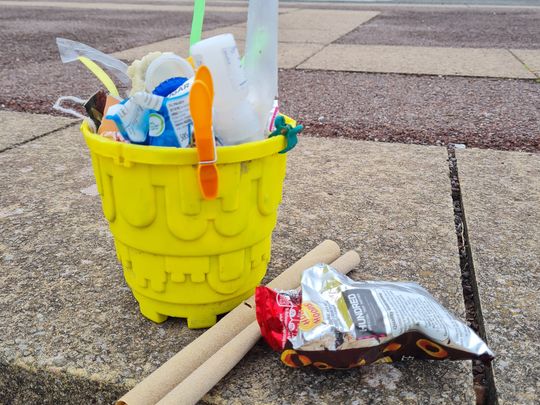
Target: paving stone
[[392, 204], [332, 21], [531, 59], [501, 192], [290, 55], [419, 60], [17, 127], [71, 330], [309, 28]]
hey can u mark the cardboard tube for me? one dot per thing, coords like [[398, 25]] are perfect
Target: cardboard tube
[[170, 374], [198, 383]]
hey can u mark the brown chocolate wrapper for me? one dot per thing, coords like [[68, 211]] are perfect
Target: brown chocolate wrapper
[[411, 345]]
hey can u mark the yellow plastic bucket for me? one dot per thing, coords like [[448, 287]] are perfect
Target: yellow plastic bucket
[[182, 255]]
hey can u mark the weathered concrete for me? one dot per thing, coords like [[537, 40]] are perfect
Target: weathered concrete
[[302, 34], [71, 329], [392, 204], [501, 195], [290, 55], [419, 60], [178, 45], [531, 59], [16, 128]]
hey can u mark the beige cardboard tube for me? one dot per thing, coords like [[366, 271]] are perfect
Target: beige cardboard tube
[[170, 374], [198, 383]]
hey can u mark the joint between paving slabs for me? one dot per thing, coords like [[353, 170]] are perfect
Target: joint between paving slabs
[[484, 381], [16, 145], [524, 64], [327, 45]]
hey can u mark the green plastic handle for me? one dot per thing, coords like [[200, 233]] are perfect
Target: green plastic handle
[[197, 22]]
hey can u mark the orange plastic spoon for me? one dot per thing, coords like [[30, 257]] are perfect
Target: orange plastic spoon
[[203, 74], [200, 107]]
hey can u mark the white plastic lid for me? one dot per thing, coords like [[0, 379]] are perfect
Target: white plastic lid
[[165, 67]]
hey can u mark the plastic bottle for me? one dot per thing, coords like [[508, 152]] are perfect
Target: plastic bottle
[[235, 119], [260, 61]]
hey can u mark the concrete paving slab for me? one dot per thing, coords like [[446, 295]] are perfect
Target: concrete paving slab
[[392, 204], [178, 45], [309, 36], [286, 33], [326, 20], [500, 192], [290, 55], [17, 127], [530, 57], [71, 330], [419, 60], [307, 27]]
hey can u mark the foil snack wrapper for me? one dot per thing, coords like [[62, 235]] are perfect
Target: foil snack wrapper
[[335, 322]]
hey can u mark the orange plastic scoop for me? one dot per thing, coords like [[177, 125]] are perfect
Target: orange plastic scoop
[[203, 74], [200, 107]]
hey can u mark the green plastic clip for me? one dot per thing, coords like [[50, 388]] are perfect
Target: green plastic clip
[[288, 131]]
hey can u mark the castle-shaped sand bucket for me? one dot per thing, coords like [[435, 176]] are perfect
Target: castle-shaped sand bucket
[[183, 255]]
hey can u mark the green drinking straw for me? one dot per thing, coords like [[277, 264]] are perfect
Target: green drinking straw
[[197, 22]]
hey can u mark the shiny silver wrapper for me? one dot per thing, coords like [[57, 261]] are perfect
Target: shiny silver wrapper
[[339, 313]]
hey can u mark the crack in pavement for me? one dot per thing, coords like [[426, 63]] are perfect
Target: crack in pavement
[[523, 63], [483, 378], [16, 145]]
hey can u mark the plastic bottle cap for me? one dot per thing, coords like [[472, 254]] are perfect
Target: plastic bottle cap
[[165, 67]]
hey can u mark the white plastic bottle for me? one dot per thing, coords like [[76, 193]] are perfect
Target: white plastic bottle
[[260, 62], [235, 120]]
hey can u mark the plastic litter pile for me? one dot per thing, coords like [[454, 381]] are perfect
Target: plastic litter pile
[[172, 98]]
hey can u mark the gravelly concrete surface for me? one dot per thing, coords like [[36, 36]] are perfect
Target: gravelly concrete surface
[[77, 335], [31, 73], [503, 228], [496, 28], [487, 113]]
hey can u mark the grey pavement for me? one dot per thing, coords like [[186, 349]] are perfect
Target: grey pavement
[[79, 322], [501, 195], [20, 127], [71, 330], [498, 63]]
